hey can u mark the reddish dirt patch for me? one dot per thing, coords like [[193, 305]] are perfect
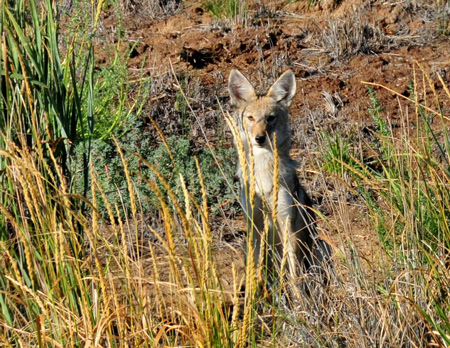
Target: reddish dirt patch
[[332, 47]]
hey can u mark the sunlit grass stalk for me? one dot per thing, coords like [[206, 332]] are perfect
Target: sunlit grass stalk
[[285, 232], [248, 178], [157, 278], [261, 266], [284, 258], [190, 234], [205, 210], [92, 234], [190, 228], [169, 222]]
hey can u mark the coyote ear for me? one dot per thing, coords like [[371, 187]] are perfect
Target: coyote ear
[[283, 90], [240, 89]]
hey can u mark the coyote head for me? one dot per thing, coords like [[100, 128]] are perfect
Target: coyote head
[[262, 116]]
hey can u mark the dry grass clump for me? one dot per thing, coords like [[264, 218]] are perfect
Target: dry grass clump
[[65, 280], [351, 35], [155, 9], [118, 290]]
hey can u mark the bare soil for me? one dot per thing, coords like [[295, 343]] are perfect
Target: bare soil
[[332, 46]]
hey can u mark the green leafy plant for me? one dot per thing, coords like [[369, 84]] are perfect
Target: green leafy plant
[[376, 110], [338, 156]]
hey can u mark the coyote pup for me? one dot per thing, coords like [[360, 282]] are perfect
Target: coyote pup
[[259, 117]]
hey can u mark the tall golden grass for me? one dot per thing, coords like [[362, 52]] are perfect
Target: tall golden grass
[[71, 278]]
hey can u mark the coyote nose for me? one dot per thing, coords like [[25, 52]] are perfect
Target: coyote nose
[[260, 139]]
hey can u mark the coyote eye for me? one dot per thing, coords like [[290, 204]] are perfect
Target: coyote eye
[[250, 118], [270, 119]]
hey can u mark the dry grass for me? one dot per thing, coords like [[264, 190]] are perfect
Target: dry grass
[[117, 289], [71, 278]]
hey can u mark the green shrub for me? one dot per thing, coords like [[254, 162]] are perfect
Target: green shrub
[[109, 169]]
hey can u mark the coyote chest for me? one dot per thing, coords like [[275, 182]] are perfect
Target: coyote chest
[[263, 169]]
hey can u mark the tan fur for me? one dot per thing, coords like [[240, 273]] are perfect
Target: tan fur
[[259, 118]]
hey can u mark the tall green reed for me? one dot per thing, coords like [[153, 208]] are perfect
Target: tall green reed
[[41, 89]]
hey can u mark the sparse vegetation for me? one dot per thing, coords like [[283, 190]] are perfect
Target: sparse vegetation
[[338, 157], [228, 9], [404, 185], [352, 35], [443, 17]]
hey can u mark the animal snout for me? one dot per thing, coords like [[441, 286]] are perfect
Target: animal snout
[[260, 139]]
